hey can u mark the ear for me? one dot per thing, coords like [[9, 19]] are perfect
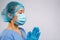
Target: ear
[[9, 15], [14, 19]]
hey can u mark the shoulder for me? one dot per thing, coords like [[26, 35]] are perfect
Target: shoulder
[[6, 32], [6, 35]]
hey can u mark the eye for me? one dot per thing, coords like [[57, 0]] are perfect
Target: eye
[[20, 11]]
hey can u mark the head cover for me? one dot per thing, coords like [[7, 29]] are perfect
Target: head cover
[[21, 19], [10, 10]]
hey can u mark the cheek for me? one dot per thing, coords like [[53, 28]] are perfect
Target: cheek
[[15, 18]]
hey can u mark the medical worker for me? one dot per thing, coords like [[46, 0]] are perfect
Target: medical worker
[[13, 13]]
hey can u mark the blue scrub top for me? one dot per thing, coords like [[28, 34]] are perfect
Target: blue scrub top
[[12, 35]]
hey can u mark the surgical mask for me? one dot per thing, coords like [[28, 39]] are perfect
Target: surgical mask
[[21, 19]]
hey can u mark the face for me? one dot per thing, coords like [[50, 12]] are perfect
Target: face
[[21, 11]]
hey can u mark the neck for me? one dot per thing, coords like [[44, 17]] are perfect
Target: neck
[[12, 26]]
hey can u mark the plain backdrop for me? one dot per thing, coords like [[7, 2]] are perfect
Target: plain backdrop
[[42, 13]]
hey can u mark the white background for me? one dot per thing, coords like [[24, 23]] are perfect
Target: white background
[[42, 13]]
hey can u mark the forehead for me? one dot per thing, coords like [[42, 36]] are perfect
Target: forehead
[[19, 7], [20, 11]]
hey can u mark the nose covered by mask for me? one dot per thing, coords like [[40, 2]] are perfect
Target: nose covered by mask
[[21, 19]]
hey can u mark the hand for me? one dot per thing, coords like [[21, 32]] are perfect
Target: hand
[[34, 35]]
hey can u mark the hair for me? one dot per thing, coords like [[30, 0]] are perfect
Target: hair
[[11, 8]]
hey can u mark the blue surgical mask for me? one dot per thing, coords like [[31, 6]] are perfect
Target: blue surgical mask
[[21, 19]]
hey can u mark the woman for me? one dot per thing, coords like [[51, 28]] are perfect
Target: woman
[[14, 15]]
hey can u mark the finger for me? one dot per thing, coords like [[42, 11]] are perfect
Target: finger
[[38, 35], [35, 30]]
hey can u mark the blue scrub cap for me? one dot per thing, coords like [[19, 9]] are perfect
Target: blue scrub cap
[[11, 8]]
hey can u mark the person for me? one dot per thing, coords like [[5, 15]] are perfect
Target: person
[[14, 15]]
